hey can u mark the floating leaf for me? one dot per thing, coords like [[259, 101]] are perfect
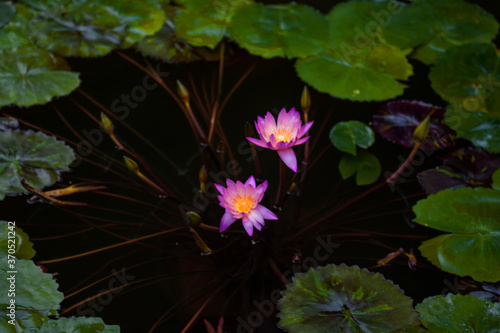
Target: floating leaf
[[496, 180], [365, 165], [92, 28], [397, 121], [23, 246], [7, 12], [370, 76], [458, 313], [34, 156], [204, 23], [464, 167], [343, 299], [8, 124], [30, 76], [486, 135], [462, 121], [473, 218], [77, 325], [35, 291], [435, 26], [167, 46], [292, 30], [346, 135], [468, 76]]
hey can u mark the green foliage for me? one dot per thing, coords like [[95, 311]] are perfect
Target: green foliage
[[291, 30], [467, 76], [92, 28], [472, 216], [365, 165], [435, 26], [462, 121], [7, 11], [346, 135], [23, 249], [204, 23], [496, 180], [77, 325], [343, 299], [458, 313], [486, 135], [34, 156], [29, 76]]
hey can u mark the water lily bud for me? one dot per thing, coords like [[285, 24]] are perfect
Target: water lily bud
[[131, 164], [183, 92], [106, 124], [203, 176], [249, 132], [193, 218], [422, 130], [305, 101]]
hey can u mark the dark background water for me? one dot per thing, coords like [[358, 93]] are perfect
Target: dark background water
[[273, 85]]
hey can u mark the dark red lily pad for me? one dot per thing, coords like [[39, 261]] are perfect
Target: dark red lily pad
[[465, 167], [396, 121]]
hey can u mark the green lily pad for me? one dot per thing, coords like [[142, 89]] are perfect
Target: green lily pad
[[458, 313], [462, 121], [496, 180], [77, 325], [92, 28], [204, 23], [435, 26], [472, 216], [365, 165], [23, 246], [343, 299], [34, 156], [26, 321], [468, 76], [346, 135], [8, 123], [18, 30], [35, 291], [7, 12], [486, 135], [166, 45], [372, 75], [29, 76], [292, 30]]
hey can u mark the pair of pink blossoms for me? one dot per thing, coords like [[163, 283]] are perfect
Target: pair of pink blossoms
[[241, 201]]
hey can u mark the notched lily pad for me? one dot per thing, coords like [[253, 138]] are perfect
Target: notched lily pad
[[458, 313], [365, 165], [292, 30], [77, 325], [470, 167], [34, 156], [432, 27], [23, 246], [29, 76], [472, 216], [397, 121], [461, 120], [468, 76], [486, 135], [343, 299], [345, 135]]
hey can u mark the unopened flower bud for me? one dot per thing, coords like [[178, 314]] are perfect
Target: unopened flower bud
[[131, 164], [422, 130], [193, 218], [183, 92], [305, 101], [106, 124], [203, 176]]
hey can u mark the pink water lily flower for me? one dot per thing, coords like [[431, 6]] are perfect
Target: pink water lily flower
[[282, 136], [241, 201]]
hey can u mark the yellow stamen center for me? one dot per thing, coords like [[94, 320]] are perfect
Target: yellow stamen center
[[243, 204], [282, 134]]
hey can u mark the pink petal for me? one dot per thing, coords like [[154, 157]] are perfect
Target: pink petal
[[226, 221], [282, 118], [257, 142], [301, 141], [288, 157], [283, 145], [251, 181], [272, 141], [220, 188], [255, 217], [248, 226], [266, 213], [304, 129], [230, 185], [258, 226]]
